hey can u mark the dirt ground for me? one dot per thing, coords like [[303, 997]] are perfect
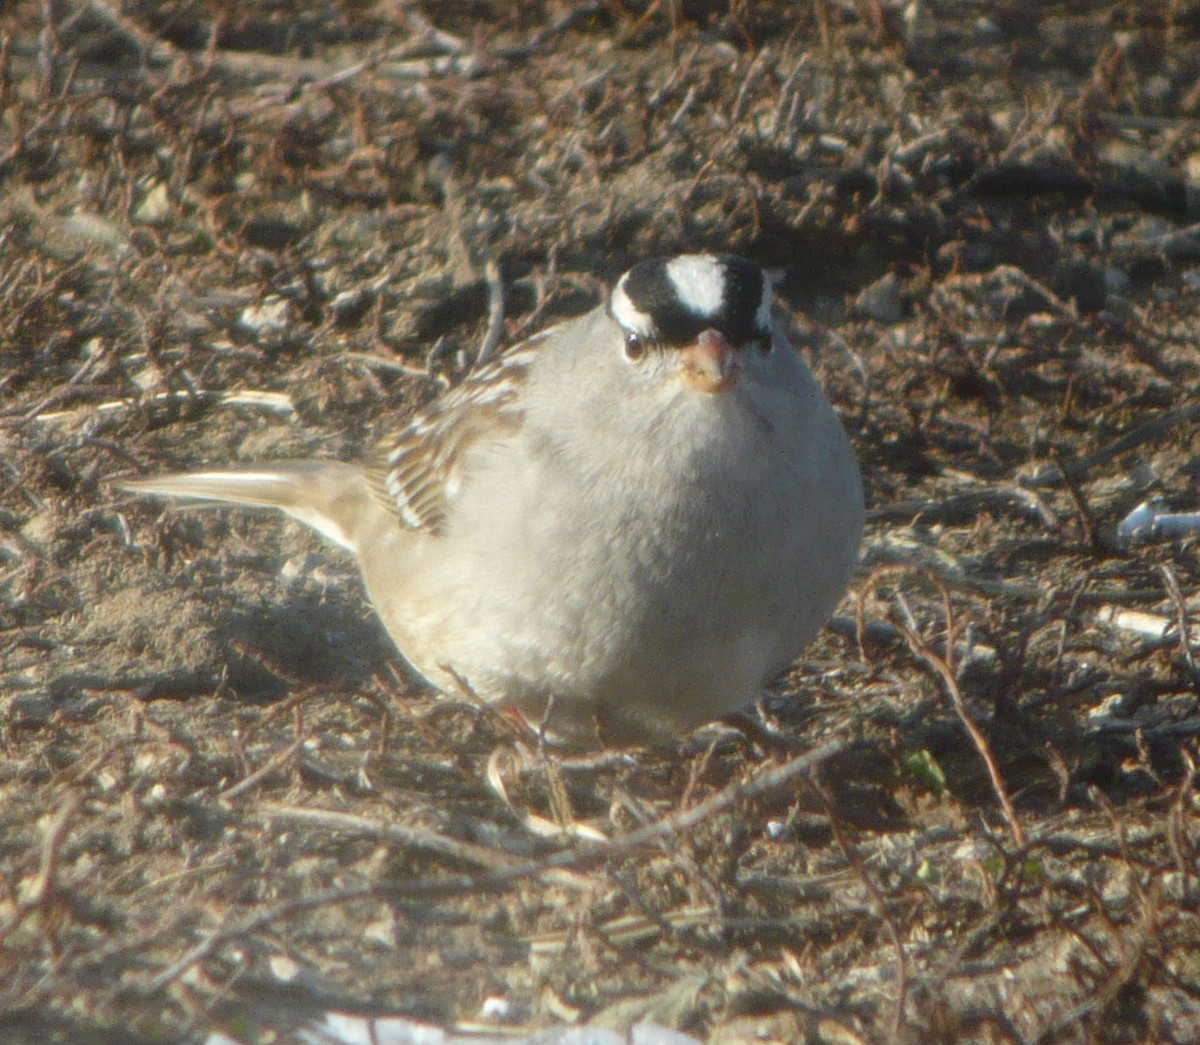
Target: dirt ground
[[235, 231]]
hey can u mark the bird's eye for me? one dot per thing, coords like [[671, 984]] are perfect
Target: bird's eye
[[635, 347], [765, 342]]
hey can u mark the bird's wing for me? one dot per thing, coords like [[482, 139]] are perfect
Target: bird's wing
[[417, 473]]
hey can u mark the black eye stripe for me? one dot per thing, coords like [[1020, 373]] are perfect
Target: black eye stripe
[[731, 304]]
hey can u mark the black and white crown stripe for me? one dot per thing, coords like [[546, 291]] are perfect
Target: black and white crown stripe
[[674, 300]]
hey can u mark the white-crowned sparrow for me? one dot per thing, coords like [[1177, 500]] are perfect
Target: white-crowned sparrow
[[636, 518]]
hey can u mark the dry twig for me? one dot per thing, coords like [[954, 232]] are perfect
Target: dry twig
[[574, 860], [941, 667]]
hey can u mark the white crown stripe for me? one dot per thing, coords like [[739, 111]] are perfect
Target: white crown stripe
[[699, 282]]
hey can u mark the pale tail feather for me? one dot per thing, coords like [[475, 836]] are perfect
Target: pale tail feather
[[329, 496]]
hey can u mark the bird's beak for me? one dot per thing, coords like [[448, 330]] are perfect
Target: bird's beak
[[710, 364]]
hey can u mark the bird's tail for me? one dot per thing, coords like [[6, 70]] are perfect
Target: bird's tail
[[329, 496]]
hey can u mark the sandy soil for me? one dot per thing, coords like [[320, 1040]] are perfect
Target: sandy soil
[[236, 231]]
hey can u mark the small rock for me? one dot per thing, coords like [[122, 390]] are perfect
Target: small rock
[[881, 300], [351, 305], [154, 208], [267, 317]]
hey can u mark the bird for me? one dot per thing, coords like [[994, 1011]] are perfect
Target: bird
[[620, 529]]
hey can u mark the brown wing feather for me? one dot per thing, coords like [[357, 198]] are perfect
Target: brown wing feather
[[414, 474]]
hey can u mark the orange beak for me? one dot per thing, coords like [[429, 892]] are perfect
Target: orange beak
[[710, 364]]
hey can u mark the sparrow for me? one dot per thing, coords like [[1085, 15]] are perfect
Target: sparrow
[[623, 527]]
